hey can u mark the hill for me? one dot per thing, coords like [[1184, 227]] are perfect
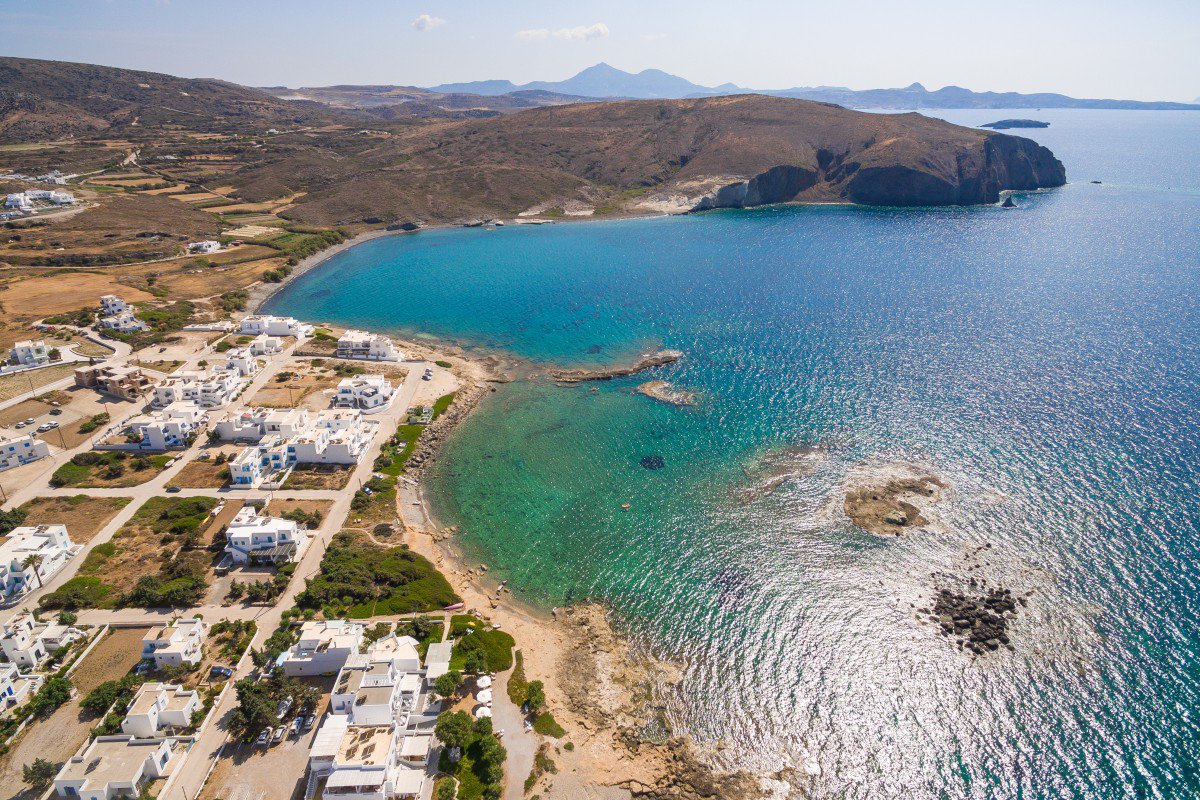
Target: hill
[[653, 156], [603, 80], [397, 102], [42, 100]]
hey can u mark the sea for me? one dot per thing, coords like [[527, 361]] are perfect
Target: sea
[[1043, 360]]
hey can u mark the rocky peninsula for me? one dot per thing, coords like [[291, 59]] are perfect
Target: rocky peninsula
[[665, 392], [648, 361]]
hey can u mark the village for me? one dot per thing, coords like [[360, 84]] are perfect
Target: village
[[204, 583]]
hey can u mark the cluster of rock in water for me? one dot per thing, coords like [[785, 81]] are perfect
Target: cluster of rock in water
[[978, 621]]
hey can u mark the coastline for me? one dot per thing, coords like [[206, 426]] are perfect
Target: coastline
[[597, 684]]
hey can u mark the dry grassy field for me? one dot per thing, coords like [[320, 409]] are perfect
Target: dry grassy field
[[84, 516]]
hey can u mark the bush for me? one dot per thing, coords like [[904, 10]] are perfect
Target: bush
[[39, 774], [79, 592], [546, 725], [11, 519], [494, 650]]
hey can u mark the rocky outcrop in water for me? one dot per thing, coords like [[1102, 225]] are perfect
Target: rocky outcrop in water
[[978, 621], [1005, 124], [892, 501], [664, 392], [648, 361]]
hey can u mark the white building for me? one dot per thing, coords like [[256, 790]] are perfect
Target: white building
[[16, 688], [290, 437], [368, 346], [169, 428], [255, 423], [252, 537], [18, 201], [159, 707], [368, 762], [264, 345], [116, 766], [21, 450], [124, 322], [323, 648], [32, 555], [110, 304], [368, 393], [207, 389], [258, 324], [176, 644], [26, 642], [206, 246], [241, 361], [437, 660], [30, 352], [380, 686]]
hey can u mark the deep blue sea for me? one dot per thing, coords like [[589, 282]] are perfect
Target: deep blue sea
[[1044, 360]]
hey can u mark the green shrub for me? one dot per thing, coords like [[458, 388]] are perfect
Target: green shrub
[[546, 725]]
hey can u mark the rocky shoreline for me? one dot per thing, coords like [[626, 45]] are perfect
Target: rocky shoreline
[[648, 361]]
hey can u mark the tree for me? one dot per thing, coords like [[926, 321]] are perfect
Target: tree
[[54, 692], [34, 561], [67, 618], [39, 773], [493, 791], [448, 683], [476, 661], [483, 726], [453, 728], [445, 790], [536, 696], [55, 354], [255, 710], [491, 758]]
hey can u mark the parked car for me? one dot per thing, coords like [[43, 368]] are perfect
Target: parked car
[[21, 424], [172, 489], [30, 421], [220, 672], [309, 721], [280, 732], [285, 705], [52, 424], [45, 426], [263, 738], [54, 412], [297, 724]]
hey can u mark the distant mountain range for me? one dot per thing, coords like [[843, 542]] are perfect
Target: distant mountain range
[[604, 81]]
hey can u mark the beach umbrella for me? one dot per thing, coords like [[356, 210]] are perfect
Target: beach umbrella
[[483, 681], [482, 711], [484, 696]]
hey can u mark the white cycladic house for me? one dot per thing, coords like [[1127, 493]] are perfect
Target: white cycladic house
[[30, 556], [169, 428], [30, 352], [437, 660], [206, 246], [116, 766], [367, 346], [380, 686], [209, 389], [21, 450], [241, 361], [368, 393], [26, 642], [18, 201], [110, 304], [158, 707], [258, 324], [124, 322], [252, 537], [255, 423], [176, 644], [16, 688], [323, 648], [291, 437], [264, 345]]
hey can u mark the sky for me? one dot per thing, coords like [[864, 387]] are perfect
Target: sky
[[1148, 50]]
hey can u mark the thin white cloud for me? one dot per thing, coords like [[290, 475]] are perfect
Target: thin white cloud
[[427, 21], [653, 37], [580, 33]]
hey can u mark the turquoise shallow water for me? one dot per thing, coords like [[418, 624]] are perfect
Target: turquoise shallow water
[[1045, 360]]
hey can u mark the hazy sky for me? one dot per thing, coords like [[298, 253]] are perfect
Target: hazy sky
[[1144, 50]]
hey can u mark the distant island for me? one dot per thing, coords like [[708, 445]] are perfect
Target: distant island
[[1005, 124], [605, 82]]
